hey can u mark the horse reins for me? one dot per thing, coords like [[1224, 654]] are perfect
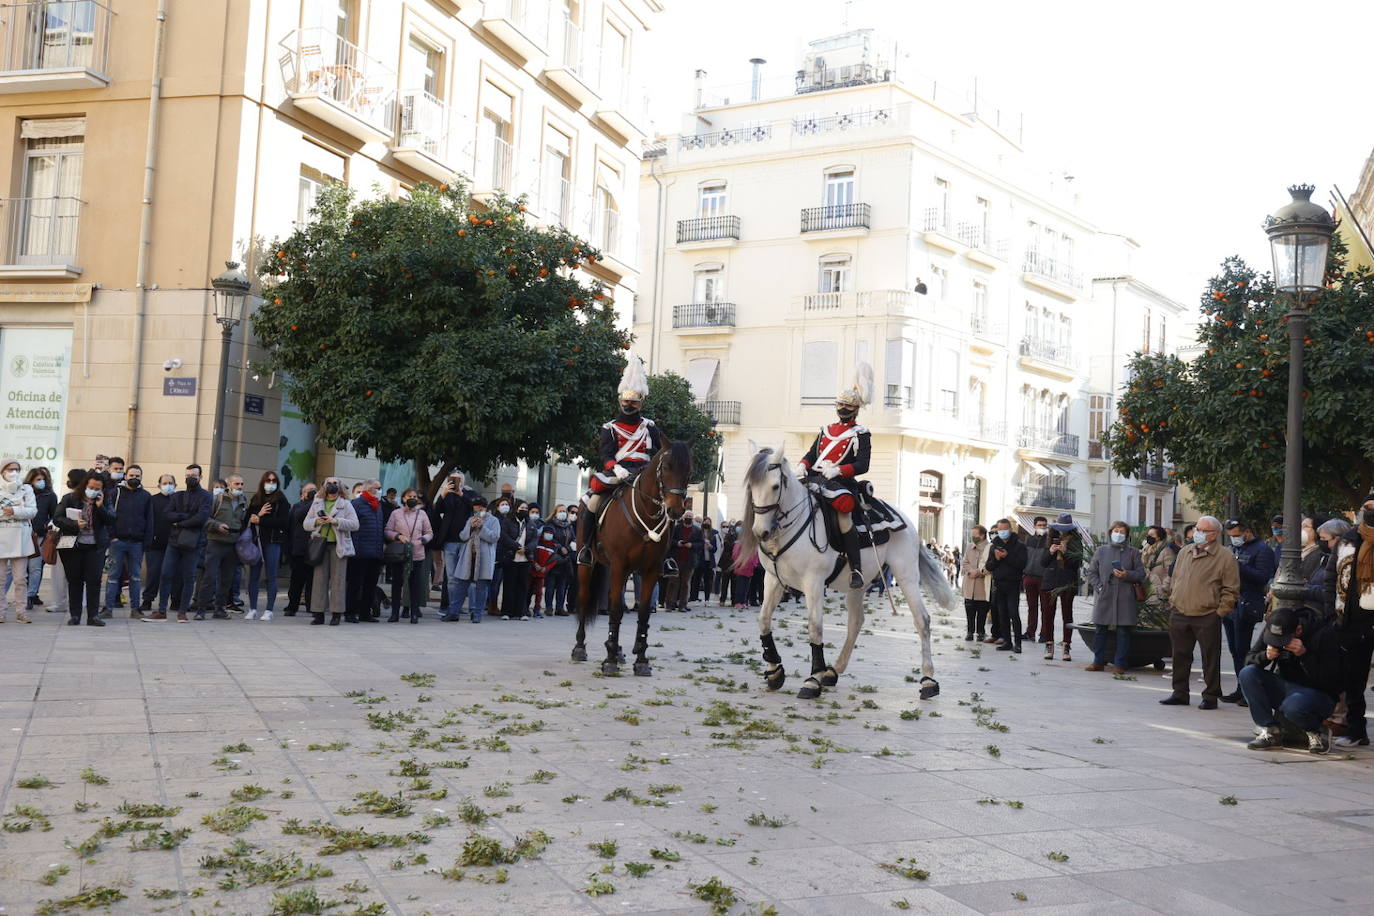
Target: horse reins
[[782, 515], [660, 518]]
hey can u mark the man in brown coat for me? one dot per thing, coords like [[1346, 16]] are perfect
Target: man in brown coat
[[1206, 585]]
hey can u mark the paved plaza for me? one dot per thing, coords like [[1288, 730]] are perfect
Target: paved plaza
[[232, 752]]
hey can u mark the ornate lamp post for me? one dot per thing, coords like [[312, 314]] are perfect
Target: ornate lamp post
[[230, 293], [1299, 236]]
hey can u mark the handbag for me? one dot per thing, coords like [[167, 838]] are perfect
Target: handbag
[[48, 549], [316, 550], [1139, 592], [250, 554], [185, 539], [396, 552]]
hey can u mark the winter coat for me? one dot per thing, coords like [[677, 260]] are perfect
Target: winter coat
[[295, 523], [1257, 567], [46, 503], [1321, 666], [275, 526], [162, 528], [130, 514], [367, 541], [16, 529], [483, 540], [545, 559], [345, 523], [414, 525], [1115, 605], [511, 539], [188, 509], [1158, 560], [688, 545], [1352, 599], [453, 511], [975, 588], [99, 521], [727, 552], [1007, 572], [1037, 554], [1317, 593], [1064, 568], [229, 512], [563, 535]]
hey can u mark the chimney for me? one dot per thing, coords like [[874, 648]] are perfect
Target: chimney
[[756, 82], [700, 87]]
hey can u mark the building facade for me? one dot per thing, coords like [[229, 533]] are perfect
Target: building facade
[[858, 219], [237, 112]]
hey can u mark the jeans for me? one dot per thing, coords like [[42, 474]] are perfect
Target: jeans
[[1031, 585], [126, 558], [742, 589], [1239, 627], [152, 575], [1268, 695], [461, 589], [271, 557], [451, 551], [556, 590], [35, 575], [212, 593], [1123, 645], [178, 572]]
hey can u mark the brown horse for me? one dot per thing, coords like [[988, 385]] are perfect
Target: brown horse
[[634, 537]]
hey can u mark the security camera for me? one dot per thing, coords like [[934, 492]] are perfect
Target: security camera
[[171, 364]]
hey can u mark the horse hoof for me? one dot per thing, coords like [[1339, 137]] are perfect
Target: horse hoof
[[609, 668], [644, 669], [829, 677], [929, 688], [775, 678], [620, 657], [810, 690], [579, 654]]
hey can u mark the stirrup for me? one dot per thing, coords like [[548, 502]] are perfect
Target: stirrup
[[856, 579], [670, 569], [584, 557]]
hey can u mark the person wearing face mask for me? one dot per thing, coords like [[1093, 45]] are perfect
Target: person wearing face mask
[[153, 557], [1319, 566], [476, 563], [45, 504], [114, 474], [270, 515], [557, 579], [512, 560], [85, 532], [228, 515], [1064, 556], [17, 509], [409, 525], [128, 512], [704, 575], [838, 456], [1350, 591], [365, 566], [450, 515], [1205, 589], [187, 513], [976, 581], [1255, 560], [686, 549], [1007, 563], [332, 519], [299, 589], [1115, 571], [542, 562]]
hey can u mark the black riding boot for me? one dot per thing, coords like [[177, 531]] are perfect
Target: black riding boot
[[853, 552], [586, 534]]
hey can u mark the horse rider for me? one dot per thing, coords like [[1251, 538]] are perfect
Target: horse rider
[[836, 459], [627, 444]]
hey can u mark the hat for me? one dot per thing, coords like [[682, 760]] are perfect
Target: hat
[[1276, 520], [861, 391], [634, 386], [1064, 523], [1233, 523], [1280, 627]]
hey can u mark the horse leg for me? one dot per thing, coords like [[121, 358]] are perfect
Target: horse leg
[[617, 610], [775, 675], [909, 578], [584, 592], [854, 601], [647, 582], [811, 687]]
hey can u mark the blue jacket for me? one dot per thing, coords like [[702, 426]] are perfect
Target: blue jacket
[[189, 509], [367, 540], [130, 514], [1257, 568]]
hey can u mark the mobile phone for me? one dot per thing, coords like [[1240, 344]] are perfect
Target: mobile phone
[[1116, 564]]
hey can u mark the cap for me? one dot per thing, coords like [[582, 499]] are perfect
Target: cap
[[1276, 520], [1232, 523], [1280, 627], [1064, 523]]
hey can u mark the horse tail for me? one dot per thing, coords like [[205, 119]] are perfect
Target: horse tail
[[933, 579], [586, 610], [748, 541]]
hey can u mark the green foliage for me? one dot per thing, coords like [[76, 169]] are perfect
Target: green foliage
[[1221, 420], [675, 412], [373, 302]]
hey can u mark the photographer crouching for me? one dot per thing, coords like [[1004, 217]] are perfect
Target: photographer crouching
[[1294, 672]]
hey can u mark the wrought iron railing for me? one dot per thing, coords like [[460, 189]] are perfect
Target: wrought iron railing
[[55, 35], [707, 228], [723, 412], [754, 133], [1050, 497], [1047, 350], [1048, 440], [40, 231], [319, 62], [868, 117], [1052, 269], [835, 216], [704, 315], [423, 123]]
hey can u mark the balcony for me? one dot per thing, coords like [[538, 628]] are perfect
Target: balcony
[[50, 45], [1050, 497], [568, 65], [735, 136], [1048, 357], [40, 237], [821, 78], [897, 302], [1098, 451], [899, 401], [624, 109], [710, 315], [838, 123], [992, 431], [334, 81], [422, 134], [555, 201], [617, 239], [521, 26], [1048, 440], [725, 413], [1154, 473], [987, 332], [836, 220], [708, 232], [1052, 275], [980, 247], [940, 232]]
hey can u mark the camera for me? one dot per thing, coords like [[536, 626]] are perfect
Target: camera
[[171, 364]]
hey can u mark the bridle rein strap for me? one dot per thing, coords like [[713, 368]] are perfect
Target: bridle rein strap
[[783, 514], [659, 517]]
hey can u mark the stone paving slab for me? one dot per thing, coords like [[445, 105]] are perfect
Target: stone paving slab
[[684, 771]]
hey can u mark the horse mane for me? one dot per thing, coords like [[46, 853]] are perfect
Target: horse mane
[[678, 458], [758, 467]]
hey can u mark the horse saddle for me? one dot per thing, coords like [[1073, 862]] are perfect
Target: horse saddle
[[873, 519]]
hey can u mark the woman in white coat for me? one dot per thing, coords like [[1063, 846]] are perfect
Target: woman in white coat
[[17, 509], [331, 519]]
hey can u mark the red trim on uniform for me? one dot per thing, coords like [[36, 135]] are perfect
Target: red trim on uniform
[[843, 503], [610, 464], [598, 486], [847, 470]]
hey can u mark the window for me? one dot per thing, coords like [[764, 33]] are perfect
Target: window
[[1065, 332], [976, 410], [1145, 335], [1099, 421], [835, 272], [338, 19], [555, 191], [1028, 403], [1159, 512], [319, 167], [949, 381], [1162, 347], [982, 211], [420, 69], [712, 200], [925, 369], [941, 283], [980, 306], [899, 360], [1044, 416], [1032, 322], [1061, 419], [708, 283], [1140, 510], [1066, 253], [495, 155], [941, 204], [703, 377], [614, 62], [820, 366], [47, 217], [839, 188], [606, 217]]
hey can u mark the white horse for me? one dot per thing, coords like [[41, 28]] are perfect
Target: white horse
[[782, 519]]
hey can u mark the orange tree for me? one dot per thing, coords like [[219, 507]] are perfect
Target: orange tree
[[427, 329], [1221, 419]]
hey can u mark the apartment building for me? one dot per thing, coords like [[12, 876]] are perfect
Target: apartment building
[[259, 105], [859, 217]]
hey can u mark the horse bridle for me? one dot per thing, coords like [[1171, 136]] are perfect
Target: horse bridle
[[769, 509], [782, 515], [659, 517]]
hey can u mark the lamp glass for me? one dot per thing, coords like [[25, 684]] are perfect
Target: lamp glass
[[1299, 260]]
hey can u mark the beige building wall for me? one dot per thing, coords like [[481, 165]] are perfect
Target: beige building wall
[[261, 102]]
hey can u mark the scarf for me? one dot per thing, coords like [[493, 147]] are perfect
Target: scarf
[[1364, 563], [371, 500]]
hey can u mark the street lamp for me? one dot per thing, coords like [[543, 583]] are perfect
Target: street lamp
[[1299, 236], [230, 293]]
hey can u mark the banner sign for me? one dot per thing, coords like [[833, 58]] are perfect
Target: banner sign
[[34, 367]]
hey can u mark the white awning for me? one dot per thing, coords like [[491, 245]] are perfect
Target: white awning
[[50, 128], [701, 376], [1038, 468]]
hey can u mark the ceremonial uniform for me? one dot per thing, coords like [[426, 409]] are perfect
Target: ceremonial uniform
[[838, 456]]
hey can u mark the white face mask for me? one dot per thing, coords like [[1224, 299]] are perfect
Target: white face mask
[[1237, 540], [1004, 533], [504, 510], [1307, 535], [562, 516], [169, 488], [1118, 537], [1199, 537], [269, 488], [11, 476], [218, 491], [1041, 530], [92, 494], [534, 516], [116, 475]]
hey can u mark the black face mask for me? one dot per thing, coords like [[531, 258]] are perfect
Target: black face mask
[[1368, 516], [412, 503], [192, 483], [1149, 539], [847, 414], [630, 412], [522, 514], [331, 489], [308, 496], [134, 483]]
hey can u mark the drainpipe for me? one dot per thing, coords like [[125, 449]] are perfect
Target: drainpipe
[[658, 268], [145, 228]]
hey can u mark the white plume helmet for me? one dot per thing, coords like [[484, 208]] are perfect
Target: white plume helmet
[[861, 391], [634, 384]]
